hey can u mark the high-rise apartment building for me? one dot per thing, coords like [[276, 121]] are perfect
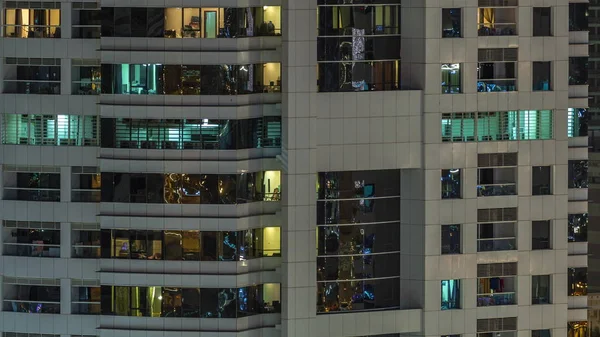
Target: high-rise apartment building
[[294, 168]]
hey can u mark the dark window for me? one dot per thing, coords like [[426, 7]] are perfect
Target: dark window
[[542, 22], [540, 289], [540, 235], [577, 281], [578, 224], [540, 333], [542, 76], [578, 174], [496, 236], [451, 239], [578, 16], [578, 70], [451, 184], [451, 22], [540, 180], [450, 294]]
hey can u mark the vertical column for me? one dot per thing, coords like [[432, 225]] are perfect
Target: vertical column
[[65, 183], [65, 75], [65, 240], [299, 61], [65, 20], [65, 296]]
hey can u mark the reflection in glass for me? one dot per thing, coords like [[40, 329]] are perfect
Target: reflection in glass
[[358, 295], [191, 245], [191, 302], [577, 226], [358, 218], [159, 79], [450, 294], [578, 281], [578, 174], [359, 75], [191, 188]]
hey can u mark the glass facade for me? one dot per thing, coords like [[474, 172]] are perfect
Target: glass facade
[[358, 241], [191, 22], [174, 188], [42, 20], [358, 47], [159, 79], [40, 76], [191, 134], [177, 245], [58, 130], [191, 302]]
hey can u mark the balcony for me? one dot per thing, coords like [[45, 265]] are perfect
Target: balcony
[[493, 299]]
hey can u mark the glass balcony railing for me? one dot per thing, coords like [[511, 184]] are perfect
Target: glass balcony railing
[[31, 194], [496, 244], [86, 308], [31, 249], [32, 307], [496, 190], [496, 85], [497, 29], [86, 252], [486, 300]]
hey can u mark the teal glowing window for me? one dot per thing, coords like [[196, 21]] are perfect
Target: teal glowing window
[[497, 126], [63, 130]]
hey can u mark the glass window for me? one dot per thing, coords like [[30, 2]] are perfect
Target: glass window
[[535, 124], [578, 174], [542, 22], [34, 239], [33, 23], [578, 224], [85, 75], [496, 236], [540, 180], [33, 299], [578, 16], [542, 76], [540, 235], [492, 291], [578, 70], [173, 245], [540, 289], [85, 300], [451, 22], [493, 21], [458, 127], [496, 181], [577, 281], [450, 294], [540, 333], [86, 20], [32, 76], [577, 329], [451, 184], [451, 239], [364, 295], [358, 76], [451, 80], [158, 79], [577, 122], [85, 184], [496, 76]]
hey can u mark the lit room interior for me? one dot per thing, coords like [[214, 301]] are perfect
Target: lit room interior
[[211, 22], [32, 23]]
